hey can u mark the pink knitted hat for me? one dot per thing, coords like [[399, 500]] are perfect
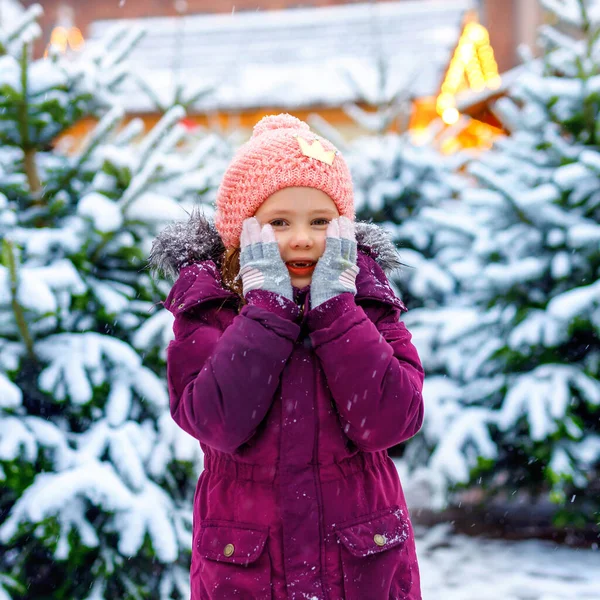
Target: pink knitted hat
[[282, 152]]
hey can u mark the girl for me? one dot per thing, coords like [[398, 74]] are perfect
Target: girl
[[292, 369]]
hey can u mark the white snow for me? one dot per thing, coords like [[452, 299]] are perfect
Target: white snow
[[151, 207], [538, 328], [458, 567], [574, 302], [9, 73], [39, 286], [10, 394], [543, 395], [468, 428], [105, 214], [78, 361]]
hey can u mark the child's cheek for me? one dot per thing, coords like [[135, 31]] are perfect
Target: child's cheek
[[322, 245], [281, 247]]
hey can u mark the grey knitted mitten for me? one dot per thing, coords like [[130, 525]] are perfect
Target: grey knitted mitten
[[261, 265], [336, 270]]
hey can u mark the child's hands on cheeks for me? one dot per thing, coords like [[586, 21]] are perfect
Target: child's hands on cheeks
[[261, 265], [336, 270]]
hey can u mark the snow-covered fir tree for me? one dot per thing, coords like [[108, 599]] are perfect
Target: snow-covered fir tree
[[96, 479], [410, 190], [518, 407]]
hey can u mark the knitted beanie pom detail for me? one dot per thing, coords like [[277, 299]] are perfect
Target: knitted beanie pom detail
[[275, 122]]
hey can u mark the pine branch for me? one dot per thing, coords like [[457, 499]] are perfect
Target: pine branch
[[159, 140], [589, 103], [23, 24], [31, 172], [493, 181], [584, 17], [109, 122], [149, 92], [8, 258], [160, 130]]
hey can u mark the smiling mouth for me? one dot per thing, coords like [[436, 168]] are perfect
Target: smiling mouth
[[301, 268], [301, 264]]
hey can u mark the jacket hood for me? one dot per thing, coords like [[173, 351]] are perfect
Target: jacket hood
[[185, 242]]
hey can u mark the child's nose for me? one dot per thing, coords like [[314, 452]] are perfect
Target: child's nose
[[301, 239]]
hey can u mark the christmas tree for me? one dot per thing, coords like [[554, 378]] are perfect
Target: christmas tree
[[97, 480], [410, 191], [517, 409]]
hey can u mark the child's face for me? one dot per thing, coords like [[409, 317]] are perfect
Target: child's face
[[299, 217]]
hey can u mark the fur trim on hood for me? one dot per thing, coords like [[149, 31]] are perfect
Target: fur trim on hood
[[185, 242]]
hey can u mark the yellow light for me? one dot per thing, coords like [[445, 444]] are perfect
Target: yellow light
[[450, 145], [450, 116], [420, 136], [472, 67], [494, 82], [477, 33], [455, 74], [445, 101], [59, 38], [466, 52], [76, 40]]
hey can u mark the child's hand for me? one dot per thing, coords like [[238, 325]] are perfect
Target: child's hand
[[261, 265], [336, 270]]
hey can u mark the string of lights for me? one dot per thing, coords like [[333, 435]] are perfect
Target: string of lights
[[473, 67]]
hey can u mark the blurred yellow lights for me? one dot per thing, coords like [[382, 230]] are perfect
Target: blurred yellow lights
[[444, 101], [477, 33], [61, 39], [76, 40], [450, 116], [473, 67], [494, 82]]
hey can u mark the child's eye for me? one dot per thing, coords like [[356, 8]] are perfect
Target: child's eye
[[281, 222]]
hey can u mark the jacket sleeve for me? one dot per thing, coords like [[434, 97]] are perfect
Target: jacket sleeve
[[372, 369], [222, 382]]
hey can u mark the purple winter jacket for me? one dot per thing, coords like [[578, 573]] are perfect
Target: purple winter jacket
[[295, 410]]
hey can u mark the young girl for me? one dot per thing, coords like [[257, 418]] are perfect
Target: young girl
[[292, 369]]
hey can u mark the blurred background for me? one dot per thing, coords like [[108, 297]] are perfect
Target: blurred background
[[472, 131], [255, 57]]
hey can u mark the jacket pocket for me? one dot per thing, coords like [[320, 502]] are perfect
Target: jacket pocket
[[375, 561], [233, 561]]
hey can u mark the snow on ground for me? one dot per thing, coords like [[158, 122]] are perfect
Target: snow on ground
[[459, 567]]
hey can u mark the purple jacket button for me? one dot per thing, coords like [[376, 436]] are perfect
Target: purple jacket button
[[228, 550], [379, 539]]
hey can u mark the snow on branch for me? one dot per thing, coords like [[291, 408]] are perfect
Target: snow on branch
[[79, 362]]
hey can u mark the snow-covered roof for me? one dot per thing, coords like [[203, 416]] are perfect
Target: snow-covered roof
[[297, 57]]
